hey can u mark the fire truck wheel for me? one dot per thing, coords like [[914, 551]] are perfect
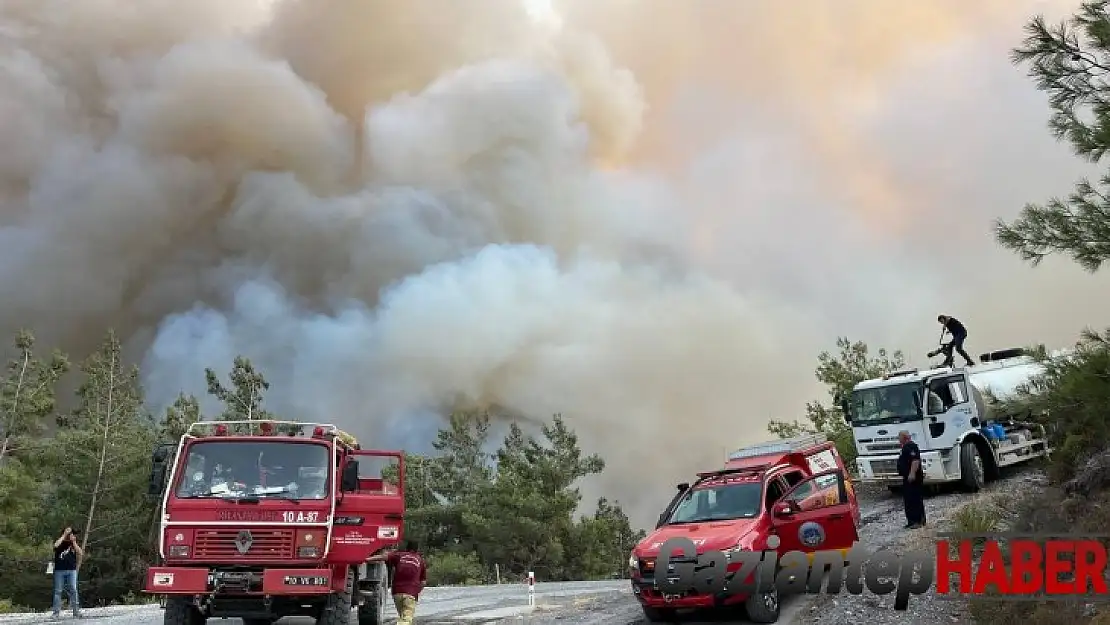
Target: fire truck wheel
[[764, 607], [659, 615], [337, 607], [181, 611], [370, 611]]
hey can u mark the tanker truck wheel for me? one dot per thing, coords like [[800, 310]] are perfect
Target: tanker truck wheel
[[337, 607], [971, 467], [181, 611]]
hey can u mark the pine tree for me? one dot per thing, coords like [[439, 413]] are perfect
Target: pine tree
[[27, 393], [243, 400], [104, 449], [1070, 62]]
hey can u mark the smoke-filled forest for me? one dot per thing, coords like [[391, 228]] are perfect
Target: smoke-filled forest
[[89, 467]]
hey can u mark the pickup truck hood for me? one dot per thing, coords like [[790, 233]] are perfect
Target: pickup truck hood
[[715, 535]]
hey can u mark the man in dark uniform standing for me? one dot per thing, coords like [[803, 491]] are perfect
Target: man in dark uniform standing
[[913, 476], [959, 335]]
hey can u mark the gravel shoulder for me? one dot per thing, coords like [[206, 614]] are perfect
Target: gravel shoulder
[[886, 531]]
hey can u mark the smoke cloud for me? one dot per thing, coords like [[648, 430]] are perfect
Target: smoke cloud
[[648, 217]]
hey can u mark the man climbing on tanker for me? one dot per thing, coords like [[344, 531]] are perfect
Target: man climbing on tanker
[[959, 335]]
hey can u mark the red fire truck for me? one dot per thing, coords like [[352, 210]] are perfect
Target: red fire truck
[[796, 490], [266, 519]]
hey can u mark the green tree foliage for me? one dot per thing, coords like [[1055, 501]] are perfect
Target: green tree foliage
[[243, 399], [184, 412], [1070, 62], [480, 513], [27, 393], [841, 372], [104, 450]]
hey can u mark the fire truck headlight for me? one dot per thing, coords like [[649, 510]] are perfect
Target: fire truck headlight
[[633, 561], [308, 552], [179, 551]]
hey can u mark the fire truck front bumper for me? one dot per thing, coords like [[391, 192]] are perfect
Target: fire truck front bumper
[[169, 580]]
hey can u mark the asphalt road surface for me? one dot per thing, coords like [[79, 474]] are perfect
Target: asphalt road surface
[[562, 603], [506, 603]]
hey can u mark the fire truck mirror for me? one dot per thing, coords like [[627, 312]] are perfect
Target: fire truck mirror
[[157, 478], [158, 461], [349, 481]]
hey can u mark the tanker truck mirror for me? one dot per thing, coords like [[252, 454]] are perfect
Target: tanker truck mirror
[[348, 483]]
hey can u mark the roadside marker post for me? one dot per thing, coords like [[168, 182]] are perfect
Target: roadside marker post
[[531, 589]]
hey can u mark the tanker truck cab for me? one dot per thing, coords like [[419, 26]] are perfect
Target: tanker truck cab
[[946, 413], [266, 519], [796, 491]]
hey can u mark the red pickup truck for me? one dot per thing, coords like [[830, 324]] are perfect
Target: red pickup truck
[[796, 489]]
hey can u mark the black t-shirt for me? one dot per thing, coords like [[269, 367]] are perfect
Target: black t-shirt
[[910, 452], [65, 557], [955, 327]]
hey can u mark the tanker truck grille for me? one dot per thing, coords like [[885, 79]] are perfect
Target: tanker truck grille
[[225, 545], [884, 467]]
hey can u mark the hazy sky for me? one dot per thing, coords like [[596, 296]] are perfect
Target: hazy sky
[[649, 216]]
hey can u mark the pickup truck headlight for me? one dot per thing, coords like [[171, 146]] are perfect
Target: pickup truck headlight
[[308, 552], [179, 551], [731, 554]]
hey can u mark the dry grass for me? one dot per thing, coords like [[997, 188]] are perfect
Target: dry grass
[[1047, 511]]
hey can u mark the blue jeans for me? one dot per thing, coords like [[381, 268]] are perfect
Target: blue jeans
[[66, 580]]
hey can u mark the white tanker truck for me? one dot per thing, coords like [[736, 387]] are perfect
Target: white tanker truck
[[947, 416]]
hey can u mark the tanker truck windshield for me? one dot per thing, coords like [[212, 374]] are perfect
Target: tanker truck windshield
[[894, 403], [255, 469], [719, 500]]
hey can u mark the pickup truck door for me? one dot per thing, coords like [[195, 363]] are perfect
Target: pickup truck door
[[815, 515]]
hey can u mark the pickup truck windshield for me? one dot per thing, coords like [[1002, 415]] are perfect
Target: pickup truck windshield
[[235, 469], [885, 404], [719, 502]]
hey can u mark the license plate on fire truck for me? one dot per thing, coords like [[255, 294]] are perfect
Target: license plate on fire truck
[[298, 580]]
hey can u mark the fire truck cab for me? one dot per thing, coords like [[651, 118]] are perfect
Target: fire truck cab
[[266, 519], [796, 490]]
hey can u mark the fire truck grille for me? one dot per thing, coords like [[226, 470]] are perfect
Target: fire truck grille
[[264, 544]]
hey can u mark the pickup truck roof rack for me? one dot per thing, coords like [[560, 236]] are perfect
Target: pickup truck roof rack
[[732, 471], [785, 446]]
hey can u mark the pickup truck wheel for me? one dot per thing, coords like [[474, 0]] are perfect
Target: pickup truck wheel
[[971, 467], [372, 607], [337, 607], [764, 607], [181, 611], [659, 615]]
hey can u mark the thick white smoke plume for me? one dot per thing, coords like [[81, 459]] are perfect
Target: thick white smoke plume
[[396, 207]]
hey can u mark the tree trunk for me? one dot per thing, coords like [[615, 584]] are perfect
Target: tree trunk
[[107, 423], [15, 405]]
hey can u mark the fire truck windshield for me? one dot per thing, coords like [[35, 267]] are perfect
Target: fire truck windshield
[[287, 470]]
